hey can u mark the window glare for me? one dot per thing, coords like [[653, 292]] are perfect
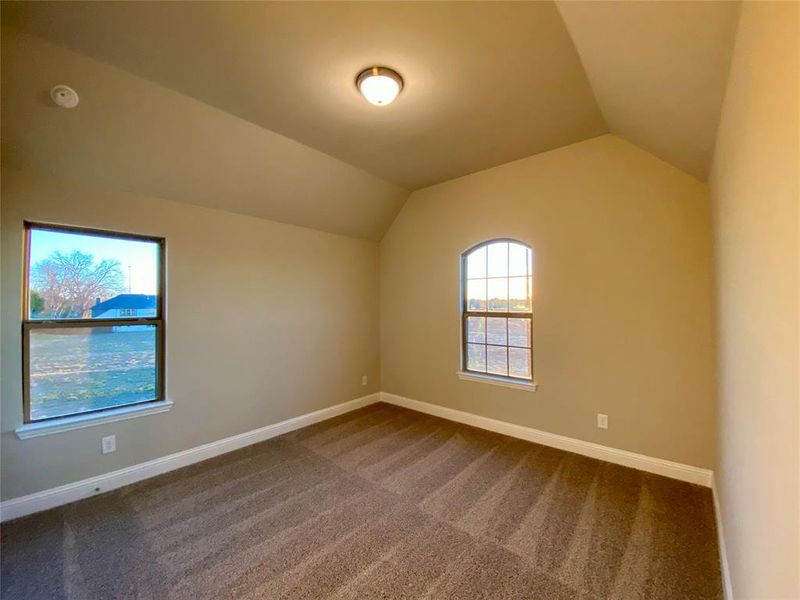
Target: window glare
[[476, 264], [498, 259], [517, 260], [498, 295], [476, 294]]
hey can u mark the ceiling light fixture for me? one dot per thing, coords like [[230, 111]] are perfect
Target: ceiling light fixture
[[379, 85]]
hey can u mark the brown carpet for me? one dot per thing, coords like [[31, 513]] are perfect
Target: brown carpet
[[379, 503]]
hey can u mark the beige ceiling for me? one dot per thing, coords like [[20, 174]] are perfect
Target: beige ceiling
[[131, 134], [251, 107], [658, 70], [486, 82]]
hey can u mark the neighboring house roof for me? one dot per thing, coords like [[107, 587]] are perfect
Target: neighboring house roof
[[137, 301]]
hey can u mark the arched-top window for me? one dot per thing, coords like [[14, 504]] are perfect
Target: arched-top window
[[497, 288]]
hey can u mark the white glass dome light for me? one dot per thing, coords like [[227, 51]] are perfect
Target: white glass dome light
[[379, 85]]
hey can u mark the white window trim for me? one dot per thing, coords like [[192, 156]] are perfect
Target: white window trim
[[122, 413], [498, 380]]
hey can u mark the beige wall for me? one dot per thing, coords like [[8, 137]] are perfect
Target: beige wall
[[265, 321], [755, 191], [623, 311]]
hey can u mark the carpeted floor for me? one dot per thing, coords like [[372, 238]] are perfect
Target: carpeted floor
[[379, 503]]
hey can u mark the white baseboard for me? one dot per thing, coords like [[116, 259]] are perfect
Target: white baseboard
[[46, 499], [727, 587], [642, 462]]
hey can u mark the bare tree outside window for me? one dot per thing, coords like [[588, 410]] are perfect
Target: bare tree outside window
[[68, 284]]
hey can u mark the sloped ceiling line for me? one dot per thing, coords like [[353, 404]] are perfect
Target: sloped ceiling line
[[133, 135], [485, 83], [658, 71], [300, 145]]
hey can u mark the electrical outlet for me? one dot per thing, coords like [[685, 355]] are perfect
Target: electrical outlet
[[602, 421], [363, 380], [109, 444]]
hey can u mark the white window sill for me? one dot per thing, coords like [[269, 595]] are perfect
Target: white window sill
[[501, 381], [30, 430]]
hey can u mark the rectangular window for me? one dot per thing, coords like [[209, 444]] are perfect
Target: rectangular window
[[93, 323]]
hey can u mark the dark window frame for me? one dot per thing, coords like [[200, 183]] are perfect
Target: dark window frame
[[466, 313], [29, 324]]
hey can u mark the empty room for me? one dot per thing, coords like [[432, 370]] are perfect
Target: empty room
[[400, 300]]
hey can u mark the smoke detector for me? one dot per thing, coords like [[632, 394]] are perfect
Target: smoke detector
[[64, 96]]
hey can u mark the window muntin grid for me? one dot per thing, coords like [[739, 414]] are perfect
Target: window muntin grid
[[497, 310]]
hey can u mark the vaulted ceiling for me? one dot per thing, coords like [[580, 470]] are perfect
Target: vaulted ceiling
[[658, 70], [252, 107]]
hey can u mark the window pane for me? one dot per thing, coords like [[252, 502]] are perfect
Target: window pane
[[476, 264], [476, 329], [496, 330], [498, 259], [496, 360], [476, 294], [517, 260], [76, 275], [476, 357], [519, 362], [519, 332], [74, 370], [518, 295], [498, 295]]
